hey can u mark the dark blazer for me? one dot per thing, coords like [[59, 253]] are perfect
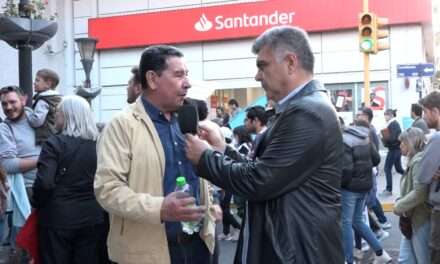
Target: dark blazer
[[63, 189], [292, 187]]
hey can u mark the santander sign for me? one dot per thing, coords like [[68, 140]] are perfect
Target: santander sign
[[203, 24], [244, 21], [210, 23]]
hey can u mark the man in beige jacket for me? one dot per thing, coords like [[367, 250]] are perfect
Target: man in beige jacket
[[140, 155]]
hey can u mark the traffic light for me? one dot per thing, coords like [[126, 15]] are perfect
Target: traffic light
[[371, 33], [381, 34], [366, 32]]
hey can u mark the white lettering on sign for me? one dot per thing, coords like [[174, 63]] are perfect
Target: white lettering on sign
[[203, 24], [245, 21]]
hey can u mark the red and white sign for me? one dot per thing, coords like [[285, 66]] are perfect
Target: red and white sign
[[245, 20]]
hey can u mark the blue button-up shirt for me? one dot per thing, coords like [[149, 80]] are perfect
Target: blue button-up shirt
[[176, 163], [282, 105]]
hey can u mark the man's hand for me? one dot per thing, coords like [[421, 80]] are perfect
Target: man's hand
[[211, 132], [179, 206], [194, 148]]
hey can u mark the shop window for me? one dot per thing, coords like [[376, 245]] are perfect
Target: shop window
[[348, 98]]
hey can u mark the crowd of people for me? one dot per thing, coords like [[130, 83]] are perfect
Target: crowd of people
[[304, 183]]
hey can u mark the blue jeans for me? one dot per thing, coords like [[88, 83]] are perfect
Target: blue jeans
[[374, 204], [393, 158], [416, 250], [378, 211], [2, 227], [352, 206]]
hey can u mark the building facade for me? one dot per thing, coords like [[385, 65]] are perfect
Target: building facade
[[216, 37]]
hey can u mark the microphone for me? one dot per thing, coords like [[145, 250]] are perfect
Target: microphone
[[188, 119]]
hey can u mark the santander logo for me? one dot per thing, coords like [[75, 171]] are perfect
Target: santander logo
[[244, 21], [203, 24]]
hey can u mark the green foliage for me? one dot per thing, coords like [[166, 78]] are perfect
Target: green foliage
[[36, 9]]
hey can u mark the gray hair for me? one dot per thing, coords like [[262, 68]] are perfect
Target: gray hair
[[283, 39], [414, 138], [78, 118]]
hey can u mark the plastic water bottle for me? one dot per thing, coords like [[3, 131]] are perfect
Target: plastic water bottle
[[181, 186]]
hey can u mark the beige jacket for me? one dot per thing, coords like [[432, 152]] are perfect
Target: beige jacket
[[128, 184]]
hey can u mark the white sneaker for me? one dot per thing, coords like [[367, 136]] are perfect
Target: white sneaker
[[229, 237], [386, 225], [365, 246], [381, 235], [358, 254], [235, 235], [221, 236], [383, 259]]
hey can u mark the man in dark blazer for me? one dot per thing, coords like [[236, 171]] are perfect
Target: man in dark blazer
[[293, 184]]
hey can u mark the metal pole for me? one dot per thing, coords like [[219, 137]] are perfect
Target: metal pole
[[366, 68], [419, 86], [25, 71], [25, 57], [366, 79]]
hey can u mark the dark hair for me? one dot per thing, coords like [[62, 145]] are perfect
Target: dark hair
[[136, 75], [226, 118], [49, 75], [243, 135], [362, 123], [431, 101], [202, 107], [222, 112], [11, 88], [417, 109], [3, 174], [392, 112], [257, 112], [233, 102], [154, 58], [368, 112]]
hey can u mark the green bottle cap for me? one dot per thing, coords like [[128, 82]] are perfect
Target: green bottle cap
[[180, 181]]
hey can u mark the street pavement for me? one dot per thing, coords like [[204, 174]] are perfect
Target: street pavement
[[390, 244]]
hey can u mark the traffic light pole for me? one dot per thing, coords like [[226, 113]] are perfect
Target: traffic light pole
[[366, 79], [366, 68]]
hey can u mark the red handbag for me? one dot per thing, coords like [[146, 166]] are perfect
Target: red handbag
[[27, 238]]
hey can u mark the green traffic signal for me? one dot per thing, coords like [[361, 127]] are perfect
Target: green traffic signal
[[366, 45]]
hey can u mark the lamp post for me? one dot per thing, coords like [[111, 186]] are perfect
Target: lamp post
[[25, 34], [87, 47], [25, 57]]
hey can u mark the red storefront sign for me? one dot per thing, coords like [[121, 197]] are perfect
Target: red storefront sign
[[245, 20]]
